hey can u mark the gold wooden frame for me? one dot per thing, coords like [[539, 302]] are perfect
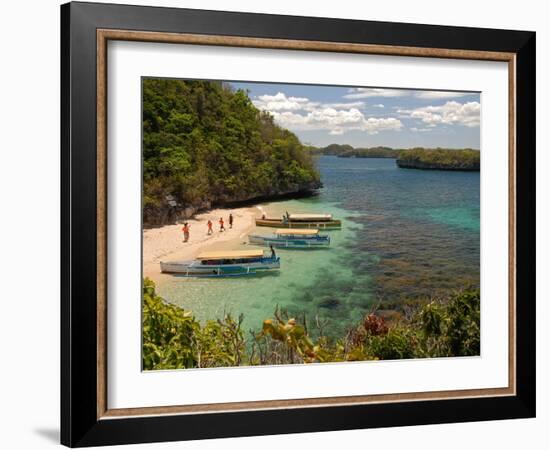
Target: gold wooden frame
[[104, 35]]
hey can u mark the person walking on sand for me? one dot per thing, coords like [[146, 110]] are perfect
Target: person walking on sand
[[209, 223], [185, 230], [222, 228], [230, 220]]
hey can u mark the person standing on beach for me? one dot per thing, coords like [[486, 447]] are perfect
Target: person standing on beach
[[273, 254], [230, 220], [185, 230], [209, 223], [222, 228]]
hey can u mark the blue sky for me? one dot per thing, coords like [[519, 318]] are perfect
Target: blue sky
[[368, 117]]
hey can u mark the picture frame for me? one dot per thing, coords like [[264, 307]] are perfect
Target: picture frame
[[86, 418]]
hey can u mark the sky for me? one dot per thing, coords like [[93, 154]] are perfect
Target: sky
[[369, 117]]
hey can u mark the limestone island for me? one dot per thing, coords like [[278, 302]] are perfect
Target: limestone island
[[415, 158], [439, 159]]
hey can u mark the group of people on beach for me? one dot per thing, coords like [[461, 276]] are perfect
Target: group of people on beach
[[186, 227]]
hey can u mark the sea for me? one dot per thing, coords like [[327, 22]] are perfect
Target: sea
[[408, 235]]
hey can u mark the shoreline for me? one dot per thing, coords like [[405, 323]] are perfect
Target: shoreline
[[165, 243], [191, 211]]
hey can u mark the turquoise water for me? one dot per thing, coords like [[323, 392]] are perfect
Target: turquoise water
[[406, 234]]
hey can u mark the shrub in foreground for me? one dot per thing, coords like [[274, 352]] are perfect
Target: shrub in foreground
[[174, 339]]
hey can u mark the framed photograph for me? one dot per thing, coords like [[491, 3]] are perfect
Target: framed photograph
[[276, 224]]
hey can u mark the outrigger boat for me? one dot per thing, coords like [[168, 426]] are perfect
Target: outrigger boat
[[292, 238], [309, 221], [224, 264]]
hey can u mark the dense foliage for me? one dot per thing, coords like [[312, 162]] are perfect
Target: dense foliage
[[174, 339], [439, 158], [204, 144]]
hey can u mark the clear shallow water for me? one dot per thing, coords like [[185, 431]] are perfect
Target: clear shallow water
[[406, 234]]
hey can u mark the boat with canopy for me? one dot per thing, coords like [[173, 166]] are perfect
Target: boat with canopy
[[224, 264], [292, 238], [308, 221]]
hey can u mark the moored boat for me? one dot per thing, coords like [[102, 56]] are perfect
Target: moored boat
[[224, 264], [309, 217], [309, 221], [292, 238]]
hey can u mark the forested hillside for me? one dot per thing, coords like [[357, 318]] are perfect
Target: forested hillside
[[205, 144]]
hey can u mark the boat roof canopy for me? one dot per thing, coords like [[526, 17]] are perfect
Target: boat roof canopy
[[297, 231], [232, 254], [310, 216]]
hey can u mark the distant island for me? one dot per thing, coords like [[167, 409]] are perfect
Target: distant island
[[415, 158], [439, 159], [347, 151], [207, 145]]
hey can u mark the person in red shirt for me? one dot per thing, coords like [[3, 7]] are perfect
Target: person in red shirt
[[185, 230], [222, 228], [209, 223]]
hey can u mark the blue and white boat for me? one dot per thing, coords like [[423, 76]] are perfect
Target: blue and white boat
[[224, 264], [292, 238]]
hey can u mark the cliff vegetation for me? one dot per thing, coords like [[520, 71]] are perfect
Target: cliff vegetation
[[205, 144]]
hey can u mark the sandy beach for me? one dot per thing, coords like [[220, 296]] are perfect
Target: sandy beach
[[166, 243]]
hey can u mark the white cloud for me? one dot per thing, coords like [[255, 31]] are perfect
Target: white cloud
[[434, 95], [452, 112], [336, 122], [355, 93], [280, 102], [375, 92], [344, 105], [300, 113], [373, 125], [379, 105], [420, 130]]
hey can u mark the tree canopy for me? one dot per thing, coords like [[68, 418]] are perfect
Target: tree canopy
[[204, 143]]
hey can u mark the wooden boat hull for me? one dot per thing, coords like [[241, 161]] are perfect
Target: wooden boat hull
[[196, 268], [278, 223], [301, 243]]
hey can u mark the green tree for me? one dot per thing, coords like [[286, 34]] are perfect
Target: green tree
[[204, 143]]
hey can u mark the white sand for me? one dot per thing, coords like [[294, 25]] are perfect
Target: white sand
[[166, 243]]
